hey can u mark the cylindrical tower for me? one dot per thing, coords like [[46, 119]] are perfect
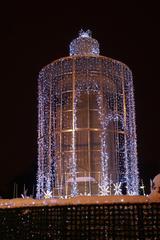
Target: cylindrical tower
[[86, 131]]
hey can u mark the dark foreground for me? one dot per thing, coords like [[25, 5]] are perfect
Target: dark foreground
[[82, 221]]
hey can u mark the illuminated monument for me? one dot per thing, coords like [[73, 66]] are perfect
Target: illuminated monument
[[86, 132]]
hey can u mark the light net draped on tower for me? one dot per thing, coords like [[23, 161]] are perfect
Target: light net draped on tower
[[86, 131]]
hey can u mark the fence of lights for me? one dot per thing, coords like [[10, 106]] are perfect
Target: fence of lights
[[86, 130]]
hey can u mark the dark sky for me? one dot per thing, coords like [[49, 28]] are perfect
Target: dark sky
[[33, 35]]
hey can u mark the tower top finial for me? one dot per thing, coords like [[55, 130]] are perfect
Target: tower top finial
[[84, 44], [87, 33]]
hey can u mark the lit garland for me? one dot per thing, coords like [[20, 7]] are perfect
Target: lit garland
[[73, 166], [104, 184], [132, 174], [111, 83]]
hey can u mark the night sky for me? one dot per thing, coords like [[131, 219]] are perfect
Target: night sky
[[35, 35]]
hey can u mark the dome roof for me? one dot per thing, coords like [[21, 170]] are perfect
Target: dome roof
[[84, 45]]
